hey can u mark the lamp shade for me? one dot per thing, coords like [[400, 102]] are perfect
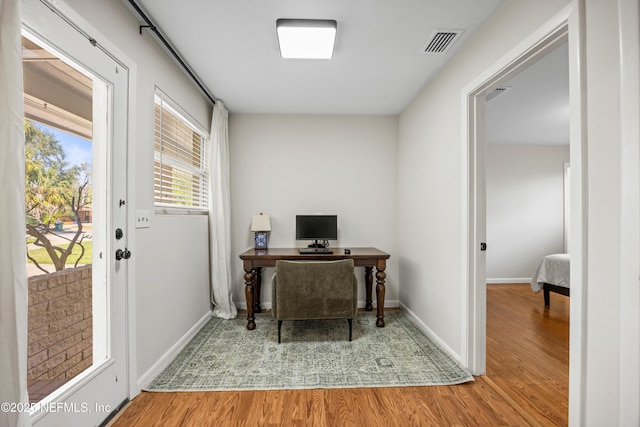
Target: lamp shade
[[261, 223]]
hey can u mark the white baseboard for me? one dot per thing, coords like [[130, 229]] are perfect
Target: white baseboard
[[146, 378], [420, 324], [508, 281], [387, 304]]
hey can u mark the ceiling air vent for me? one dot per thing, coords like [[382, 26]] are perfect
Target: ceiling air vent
[[497, 91], [441, 41]]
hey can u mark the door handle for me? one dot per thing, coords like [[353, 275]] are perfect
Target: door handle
[[123, 254]]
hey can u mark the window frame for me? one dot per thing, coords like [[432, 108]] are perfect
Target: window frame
[[167, 105]]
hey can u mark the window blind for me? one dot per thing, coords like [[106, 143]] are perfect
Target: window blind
[[180, 169]]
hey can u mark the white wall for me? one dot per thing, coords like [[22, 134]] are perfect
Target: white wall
[[430, 165], [285, 165], [430, 158], [170, 259], [525, 214]]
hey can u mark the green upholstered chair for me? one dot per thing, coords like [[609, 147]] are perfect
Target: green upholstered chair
[[305, 290]]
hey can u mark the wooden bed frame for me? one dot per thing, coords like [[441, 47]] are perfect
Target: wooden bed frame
[[548, 287]]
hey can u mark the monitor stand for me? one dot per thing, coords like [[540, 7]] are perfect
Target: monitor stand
[[318, 244]]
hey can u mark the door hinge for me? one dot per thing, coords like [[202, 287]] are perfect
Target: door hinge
[[483, 246]]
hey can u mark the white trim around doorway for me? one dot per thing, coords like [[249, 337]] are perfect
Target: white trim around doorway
[[563, 27]]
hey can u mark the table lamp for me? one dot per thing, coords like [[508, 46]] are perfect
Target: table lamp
[[261, 224]]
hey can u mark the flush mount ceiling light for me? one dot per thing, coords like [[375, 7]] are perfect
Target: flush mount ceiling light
[[306, 38]]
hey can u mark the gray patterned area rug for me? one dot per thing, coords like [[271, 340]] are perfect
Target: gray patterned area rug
[[225, 356]]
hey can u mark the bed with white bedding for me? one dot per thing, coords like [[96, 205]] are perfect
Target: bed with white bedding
[[552, 275]]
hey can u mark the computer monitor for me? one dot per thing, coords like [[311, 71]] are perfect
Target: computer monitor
[[319, 228]]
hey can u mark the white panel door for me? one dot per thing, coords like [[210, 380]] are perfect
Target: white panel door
[[90, 397]]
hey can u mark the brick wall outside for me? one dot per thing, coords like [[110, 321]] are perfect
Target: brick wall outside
[[60, 324]]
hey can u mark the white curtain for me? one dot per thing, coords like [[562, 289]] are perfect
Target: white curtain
[[219, 215], [13, 272]]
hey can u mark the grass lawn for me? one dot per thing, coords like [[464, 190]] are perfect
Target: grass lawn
[[42, 257]]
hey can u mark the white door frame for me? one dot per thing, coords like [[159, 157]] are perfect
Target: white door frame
[[629, 14], [565, 26], [37, 18]]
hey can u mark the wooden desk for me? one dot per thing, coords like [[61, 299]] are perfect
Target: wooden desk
[[255, 260]]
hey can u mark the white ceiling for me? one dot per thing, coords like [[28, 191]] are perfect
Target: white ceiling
[[535, 109], [378, 65]]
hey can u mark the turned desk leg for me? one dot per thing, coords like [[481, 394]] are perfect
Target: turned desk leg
[[368, 281], [257, 286], [380, 288], [248, 292]]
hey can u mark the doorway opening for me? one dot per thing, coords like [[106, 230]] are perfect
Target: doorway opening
[[554, 35], [561, 29], [527, 149]]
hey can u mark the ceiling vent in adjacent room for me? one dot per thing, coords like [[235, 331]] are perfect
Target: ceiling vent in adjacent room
[[497, 91], [441, 40]]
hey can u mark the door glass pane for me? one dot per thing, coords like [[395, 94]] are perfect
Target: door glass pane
[[58, 102]]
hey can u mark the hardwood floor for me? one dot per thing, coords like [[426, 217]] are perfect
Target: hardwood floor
[[528, 350], [526, 384]]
